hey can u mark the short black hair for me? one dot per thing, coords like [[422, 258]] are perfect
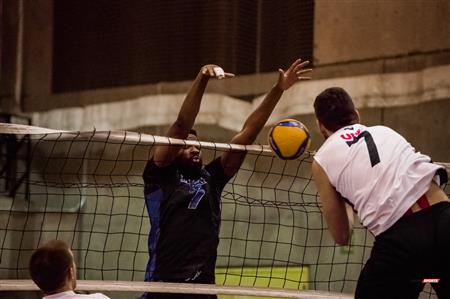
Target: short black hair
[[50, 266], [193, 132], [334, 109]]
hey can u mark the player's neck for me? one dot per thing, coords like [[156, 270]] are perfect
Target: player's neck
[[190, 172], [67, 287]]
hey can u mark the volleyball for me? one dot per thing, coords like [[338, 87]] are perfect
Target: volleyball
[[289, 138]]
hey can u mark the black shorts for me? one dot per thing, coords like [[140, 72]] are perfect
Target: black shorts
[[415, 248]]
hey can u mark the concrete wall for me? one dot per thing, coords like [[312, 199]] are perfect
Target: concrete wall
[[352, 30], [353, 39]]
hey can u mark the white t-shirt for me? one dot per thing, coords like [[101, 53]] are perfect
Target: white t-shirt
[[378, 171], [72, 295]]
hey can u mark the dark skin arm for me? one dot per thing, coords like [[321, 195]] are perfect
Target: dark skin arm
[[232, 160], [164, 155]]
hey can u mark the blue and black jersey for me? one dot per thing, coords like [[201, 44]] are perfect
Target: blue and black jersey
[[185, 222]]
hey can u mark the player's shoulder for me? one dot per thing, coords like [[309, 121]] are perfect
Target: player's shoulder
[[380, 128], [215, 172], [385, 132], [211, 167]]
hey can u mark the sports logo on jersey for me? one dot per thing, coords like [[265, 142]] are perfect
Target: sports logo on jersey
[[196, 189], [350, 136]]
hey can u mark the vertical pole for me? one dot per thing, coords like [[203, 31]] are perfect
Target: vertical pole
[[258, 37], [11, 44], [19, 59]]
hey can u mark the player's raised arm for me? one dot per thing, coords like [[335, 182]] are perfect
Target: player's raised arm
[[164, 155], [231, 161]]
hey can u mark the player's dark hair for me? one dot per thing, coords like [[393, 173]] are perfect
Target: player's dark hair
[[193, 132], [50, 265], [334, 109]]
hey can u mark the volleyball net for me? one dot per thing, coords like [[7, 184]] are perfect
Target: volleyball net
[[86, 188]]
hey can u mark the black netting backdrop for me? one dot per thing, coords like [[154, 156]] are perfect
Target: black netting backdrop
[[87, 189], [110, 43]]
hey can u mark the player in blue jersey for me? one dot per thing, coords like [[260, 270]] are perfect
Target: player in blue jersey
[[183, 196]]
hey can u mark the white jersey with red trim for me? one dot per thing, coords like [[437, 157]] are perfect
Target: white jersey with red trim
[[377, 171]]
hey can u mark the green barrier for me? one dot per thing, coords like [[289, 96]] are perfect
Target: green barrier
[[272, 277]]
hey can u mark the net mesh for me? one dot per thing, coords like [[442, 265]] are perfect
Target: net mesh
[[86, 188]]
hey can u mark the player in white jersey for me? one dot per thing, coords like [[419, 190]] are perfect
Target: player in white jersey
[[395, 191]]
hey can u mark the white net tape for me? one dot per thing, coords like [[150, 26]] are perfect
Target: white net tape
[[186, 288]]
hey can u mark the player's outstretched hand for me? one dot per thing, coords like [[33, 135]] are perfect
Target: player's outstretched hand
[[293, 74], [215, 71]]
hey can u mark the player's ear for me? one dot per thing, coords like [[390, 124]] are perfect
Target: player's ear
[[320, 125], [71, 274], [322, 129]]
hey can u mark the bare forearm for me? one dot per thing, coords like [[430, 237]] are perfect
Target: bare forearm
[[231, 161], [191, 106], [256, 121], [164, 155], [259, 117]]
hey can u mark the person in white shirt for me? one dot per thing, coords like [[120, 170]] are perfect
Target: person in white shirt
[[395, 192], [53, 269]]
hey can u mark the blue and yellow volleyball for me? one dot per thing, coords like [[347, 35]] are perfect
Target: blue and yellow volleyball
[[289, 138]]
